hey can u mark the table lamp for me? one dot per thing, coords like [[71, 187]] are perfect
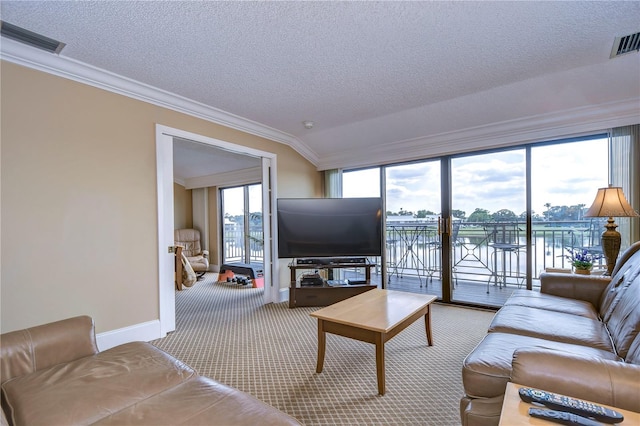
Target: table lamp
[[611, 202]]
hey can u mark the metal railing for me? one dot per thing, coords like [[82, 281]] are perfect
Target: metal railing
[[236, 245], [482, 251], [490, 251]]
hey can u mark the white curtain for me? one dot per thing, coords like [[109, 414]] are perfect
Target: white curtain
[[624, 171], [333, 183]]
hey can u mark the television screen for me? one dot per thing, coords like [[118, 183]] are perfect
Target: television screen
[[329, 227]]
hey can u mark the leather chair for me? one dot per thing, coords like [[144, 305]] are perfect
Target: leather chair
[[189, 239]]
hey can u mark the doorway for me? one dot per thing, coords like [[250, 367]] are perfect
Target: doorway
[[242, 236], [165, 177]]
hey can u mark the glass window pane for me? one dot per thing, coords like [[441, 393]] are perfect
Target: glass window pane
[[233, 216], [565, 178], [489, 186], [489, 234], [414, 261], [414, 189], [361, 183], [242, 239], [256, 236], [489, 200]]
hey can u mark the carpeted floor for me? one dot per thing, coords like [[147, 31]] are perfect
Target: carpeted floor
[[269, 351]]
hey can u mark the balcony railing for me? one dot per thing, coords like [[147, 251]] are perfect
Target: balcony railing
[[235, 245], [482, 251], [490, 251]]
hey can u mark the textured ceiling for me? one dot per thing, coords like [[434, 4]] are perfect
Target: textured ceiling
[[367, 73], [193, 160]]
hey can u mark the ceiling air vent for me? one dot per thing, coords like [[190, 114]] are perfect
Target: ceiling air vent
[[625, 44], [30, 38]]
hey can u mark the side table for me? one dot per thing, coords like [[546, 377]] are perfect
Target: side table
[[515, 412]]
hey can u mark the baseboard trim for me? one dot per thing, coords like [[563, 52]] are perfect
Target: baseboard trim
[[283, 295], [145, 332]]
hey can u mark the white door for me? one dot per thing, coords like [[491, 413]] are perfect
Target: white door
[[164, 160]]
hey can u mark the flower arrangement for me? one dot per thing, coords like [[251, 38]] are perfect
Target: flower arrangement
[[581, 259]]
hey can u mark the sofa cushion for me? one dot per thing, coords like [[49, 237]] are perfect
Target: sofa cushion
[[487, 369], [534, 299], [633, 355], [35, 348], [626, 270], [605, 381], [85, 390], [480, 411], [200, 401], [198, 263], [623, 320], [573, 286], [556, 326], [613, 293]]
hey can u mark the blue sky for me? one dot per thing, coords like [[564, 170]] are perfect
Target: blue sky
[[562, 174]]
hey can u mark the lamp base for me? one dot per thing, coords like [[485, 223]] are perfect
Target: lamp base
[[611, 240]]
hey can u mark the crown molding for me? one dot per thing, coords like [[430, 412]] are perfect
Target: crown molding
[[543, 127], [30, 57]]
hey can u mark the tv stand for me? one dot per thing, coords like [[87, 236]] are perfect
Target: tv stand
[[312, 292]]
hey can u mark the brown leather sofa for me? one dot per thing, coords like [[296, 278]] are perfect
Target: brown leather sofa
[[578, 336], [53, 374]]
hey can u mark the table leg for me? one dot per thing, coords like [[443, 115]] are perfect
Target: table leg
[[427, 326], [322, 342], [380, 363]]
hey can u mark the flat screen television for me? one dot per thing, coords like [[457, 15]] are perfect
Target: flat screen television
[[329, 227]]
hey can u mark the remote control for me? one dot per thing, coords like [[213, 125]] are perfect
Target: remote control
[[571, 405], [562, 417]]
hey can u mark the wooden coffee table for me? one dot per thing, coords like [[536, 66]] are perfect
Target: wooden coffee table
[[373, 317]]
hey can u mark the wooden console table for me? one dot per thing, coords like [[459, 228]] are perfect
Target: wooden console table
[[325, 294]]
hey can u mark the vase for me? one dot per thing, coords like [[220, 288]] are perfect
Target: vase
[[582, 271]]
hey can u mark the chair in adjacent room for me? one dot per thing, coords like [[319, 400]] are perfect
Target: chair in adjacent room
[[198, 258]]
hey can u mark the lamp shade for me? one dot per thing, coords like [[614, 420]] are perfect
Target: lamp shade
[[610, 202]]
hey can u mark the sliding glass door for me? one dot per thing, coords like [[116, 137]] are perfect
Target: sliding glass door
[[488, 198], [242, 236], [564, 181], [414, 227], [474, 228]]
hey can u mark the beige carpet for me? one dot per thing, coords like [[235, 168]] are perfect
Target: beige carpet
[[225, 332]]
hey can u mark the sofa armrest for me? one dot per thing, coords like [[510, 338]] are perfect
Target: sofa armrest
[[480, 411], [35, 348], [608, 382], [581, 287], [205, 254]]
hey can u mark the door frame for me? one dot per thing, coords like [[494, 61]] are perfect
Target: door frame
[[164, 171]]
